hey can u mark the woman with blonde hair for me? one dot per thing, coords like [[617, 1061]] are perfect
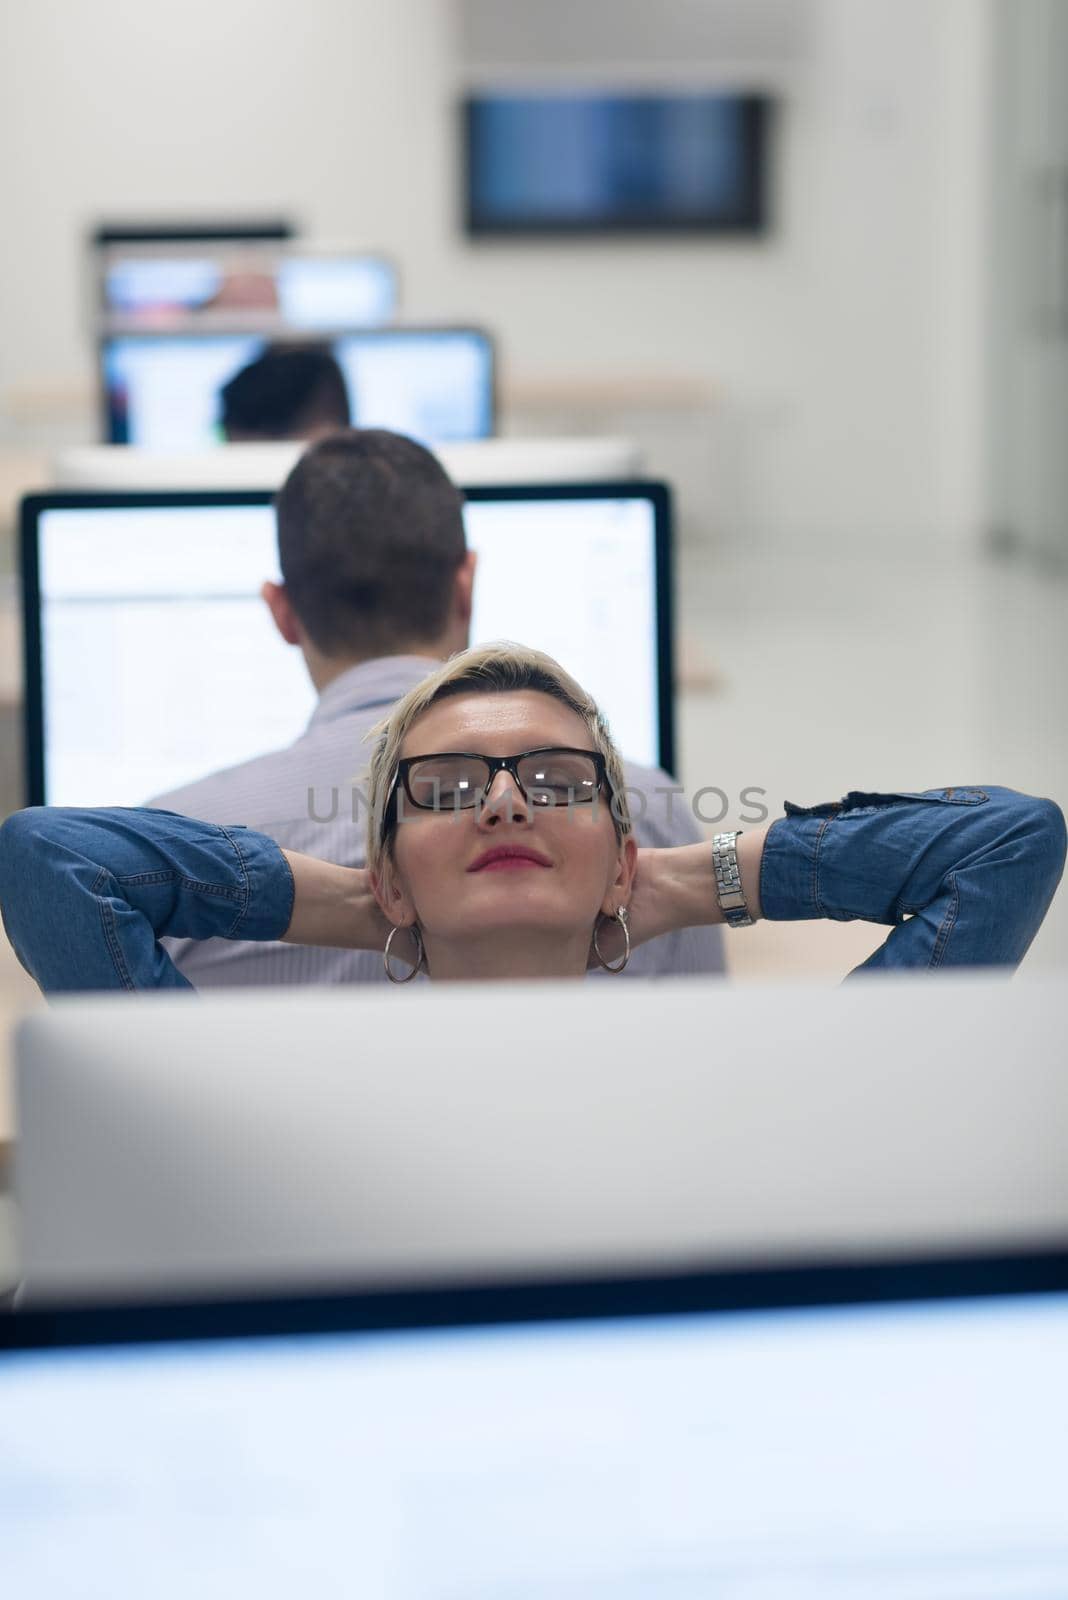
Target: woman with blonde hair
[[500, 846], [499, 832]]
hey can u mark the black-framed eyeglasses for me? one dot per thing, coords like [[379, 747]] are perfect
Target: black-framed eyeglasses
[[460, 780]]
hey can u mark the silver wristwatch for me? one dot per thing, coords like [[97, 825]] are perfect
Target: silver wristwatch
[[729, 881]]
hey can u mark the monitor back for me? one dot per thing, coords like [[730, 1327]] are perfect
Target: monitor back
[[322, 1137], [266, 466]]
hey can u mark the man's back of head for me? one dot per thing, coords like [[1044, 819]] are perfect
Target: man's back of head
[[372, 548], [289, 392]]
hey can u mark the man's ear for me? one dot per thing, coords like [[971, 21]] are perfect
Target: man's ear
[[623, 883], [390, 895], [284, 617], [463, 588]]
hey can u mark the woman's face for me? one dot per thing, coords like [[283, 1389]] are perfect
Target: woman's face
[[511, 884]]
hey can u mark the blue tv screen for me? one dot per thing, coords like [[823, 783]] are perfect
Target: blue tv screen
[[590, 163]]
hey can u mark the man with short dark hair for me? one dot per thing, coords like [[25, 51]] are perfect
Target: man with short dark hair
[[294, 391], [376, 592], [370, 541]]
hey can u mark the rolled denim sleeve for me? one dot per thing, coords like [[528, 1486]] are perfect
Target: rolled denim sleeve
[[964, 875], [87, 895]]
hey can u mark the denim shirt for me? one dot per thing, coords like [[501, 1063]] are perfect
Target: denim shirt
[[964, 877]]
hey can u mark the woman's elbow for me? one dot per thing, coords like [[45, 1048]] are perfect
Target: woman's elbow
[[1036, 837], [24, 897], [20, 838], [1047, 834]]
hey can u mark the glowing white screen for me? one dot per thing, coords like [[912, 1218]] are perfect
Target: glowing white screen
[[161, 664], [577, 578], [327, 291], [163, 391], [860, 1454], [435, 387], [136, 284], [168, 389], [312, 291]]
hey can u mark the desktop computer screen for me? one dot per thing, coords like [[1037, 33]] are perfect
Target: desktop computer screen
[[152, 660], [162, 390], [303, 289], [514, 1445]]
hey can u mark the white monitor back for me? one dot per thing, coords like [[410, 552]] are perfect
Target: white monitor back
[[318, 1137], [266, 466]]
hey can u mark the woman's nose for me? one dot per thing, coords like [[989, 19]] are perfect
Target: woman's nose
[[504, 802]]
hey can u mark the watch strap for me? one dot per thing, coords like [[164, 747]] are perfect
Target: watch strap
[[729, 890]]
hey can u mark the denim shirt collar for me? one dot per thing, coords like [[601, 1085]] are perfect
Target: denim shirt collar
[[370, 686]]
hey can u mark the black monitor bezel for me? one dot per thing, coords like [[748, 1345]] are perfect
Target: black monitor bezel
[[749, 1289], [218, 230], [283, 334], [36, 505]]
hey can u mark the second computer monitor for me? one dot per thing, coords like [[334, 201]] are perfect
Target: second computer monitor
[[162, 390], [151, 659], [157, 285]]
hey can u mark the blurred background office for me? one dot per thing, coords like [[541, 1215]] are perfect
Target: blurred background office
[[856, 390]]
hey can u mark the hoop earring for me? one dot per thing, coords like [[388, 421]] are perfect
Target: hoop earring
[[621, 918], [419, 957]]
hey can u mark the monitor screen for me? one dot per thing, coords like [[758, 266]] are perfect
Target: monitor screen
[[162, 391], [590, 162], [887, 1450], [302, 289], [133, 603]]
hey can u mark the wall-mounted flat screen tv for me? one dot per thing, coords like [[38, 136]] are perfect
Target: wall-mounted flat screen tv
[[620, 163]]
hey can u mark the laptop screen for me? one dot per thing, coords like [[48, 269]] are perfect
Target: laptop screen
[[152, 660], [303, 290], [162, 391], [915, 1448]]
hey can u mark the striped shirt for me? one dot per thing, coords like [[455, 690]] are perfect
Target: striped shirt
[[311, 797]]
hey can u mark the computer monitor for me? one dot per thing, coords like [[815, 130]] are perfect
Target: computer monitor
[[176, 1148], [161, 390], [302, 285], [136, 601], [879, 1432]]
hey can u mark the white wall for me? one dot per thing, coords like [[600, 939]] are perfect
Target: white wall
[[845, 350]]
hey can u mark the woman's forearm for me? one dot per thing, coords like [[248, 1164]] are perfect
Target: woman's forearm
[[333, 906], [676, 888], [88, 894], [964, 876]]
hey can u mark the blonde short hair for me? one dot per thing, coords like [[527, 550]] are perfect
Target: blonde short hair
[[499, 668]]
